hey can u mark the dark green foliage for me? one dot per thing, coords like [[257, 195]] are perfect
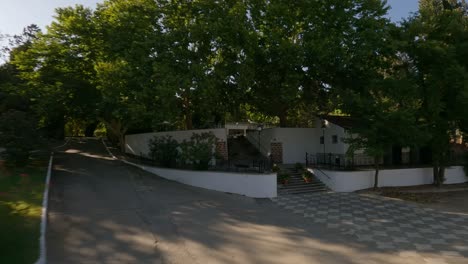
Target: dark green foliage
[[164, 151], [283, 176], [307, 174], [434, 48], [275, 168], [199, 151], [18, 135]]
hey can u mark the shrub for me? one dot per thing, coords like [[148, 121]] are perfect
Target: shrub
[[199, 151], [298, 166], [275, 168], [283, 176], [164, 151], [307, 174], [18, 135]]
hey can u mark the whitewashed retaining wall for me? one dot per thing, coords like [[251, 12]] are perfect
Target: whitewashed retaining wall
[[348, 181], [298, 141], [138, 143], [251, 185]]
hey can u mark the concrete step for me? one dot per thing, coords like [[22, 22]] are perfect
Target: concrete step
[[297, 185], [302, 183], [283, 192], [308, 186]]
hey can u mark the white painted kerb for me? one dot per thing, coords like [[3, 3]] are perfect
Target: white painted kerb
[[45, 204]]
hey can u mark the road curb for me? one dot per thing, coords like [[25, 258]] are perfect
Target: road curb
[[107, 148], [64, 144], [45, 206]]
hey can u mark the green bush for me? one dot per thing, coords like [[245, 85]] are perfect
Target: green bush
[[164, 151], [283, 176], [307, 174], [199, 151], [18, 135], [275, 168]]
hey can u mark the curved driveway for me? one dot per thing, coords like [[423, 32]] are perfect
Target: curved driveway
[[102, 211]]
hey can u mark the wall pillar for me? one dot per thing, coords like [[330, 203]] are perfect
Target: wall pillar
[[221, 149], [276, 152]]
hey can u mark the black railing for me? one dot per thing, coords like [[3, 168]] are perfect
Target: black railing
[[332, 161], [350, 162], [262, 165], [244, 165]]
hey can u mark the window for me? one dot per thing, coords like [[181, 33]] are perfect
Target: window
[[334, 139], [321, 140]]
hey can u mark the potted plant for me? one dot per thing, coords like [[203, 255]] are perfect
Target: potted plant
[[307, 176], [298, 167], [283, 177], [275, 168]]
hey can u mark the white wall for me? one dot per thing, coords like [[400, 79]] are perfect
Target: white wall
[[138, 143], [298, 141], [252, 185], [348, 181]]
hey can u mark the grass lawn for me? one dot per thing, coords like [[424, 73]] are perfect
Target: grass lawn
[[21, 192]]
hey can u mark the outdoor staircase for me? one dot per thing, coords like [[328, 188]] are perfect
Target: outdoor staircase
[[297, 185], [241, 149]]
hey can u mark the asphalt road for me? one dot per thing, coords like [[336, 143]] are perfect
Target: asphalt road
[[103, 211]]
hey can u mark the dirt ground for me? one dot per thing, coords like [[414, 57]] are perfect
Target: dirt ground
[[450, 198], [454, 202]]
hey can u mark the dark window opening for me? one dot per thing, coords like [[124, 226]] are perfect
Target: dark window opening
[[334, 139]]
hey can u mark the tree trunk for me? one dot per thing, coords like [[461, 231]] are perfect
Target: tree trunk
[[436, 173], [122, 142], [283, 117], [188, 121], [376, 175], [116, 127], [441, 175]]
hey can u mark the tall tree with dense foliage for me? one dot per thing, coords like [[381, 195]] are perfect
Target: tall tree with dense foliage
[[437, 57], [127, 33], [59, 71]]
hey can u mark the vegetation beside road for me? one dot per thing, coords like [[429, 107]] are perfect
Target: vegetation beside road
[[144, 65], [21, 193]]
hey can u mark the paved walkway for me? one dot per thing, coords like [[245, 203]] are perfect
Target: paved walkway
[[388, 224], [102, 211]]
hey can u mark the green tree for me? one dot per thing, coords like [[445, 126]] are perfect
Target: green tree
[[436, 54], [384, 115], [201, 60], [59, 71], [278, 56], [373, 87], [18, 134], [124, 68]]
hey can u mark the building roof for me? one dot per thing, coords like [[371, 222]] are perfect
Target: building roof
[[342, 121]]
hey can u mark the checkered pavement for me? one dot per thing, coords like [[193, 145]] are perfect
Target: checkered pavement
[[386, 223]]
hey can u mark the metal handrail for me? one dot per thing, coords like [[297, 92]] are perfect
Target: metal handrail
[[316, 168]]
